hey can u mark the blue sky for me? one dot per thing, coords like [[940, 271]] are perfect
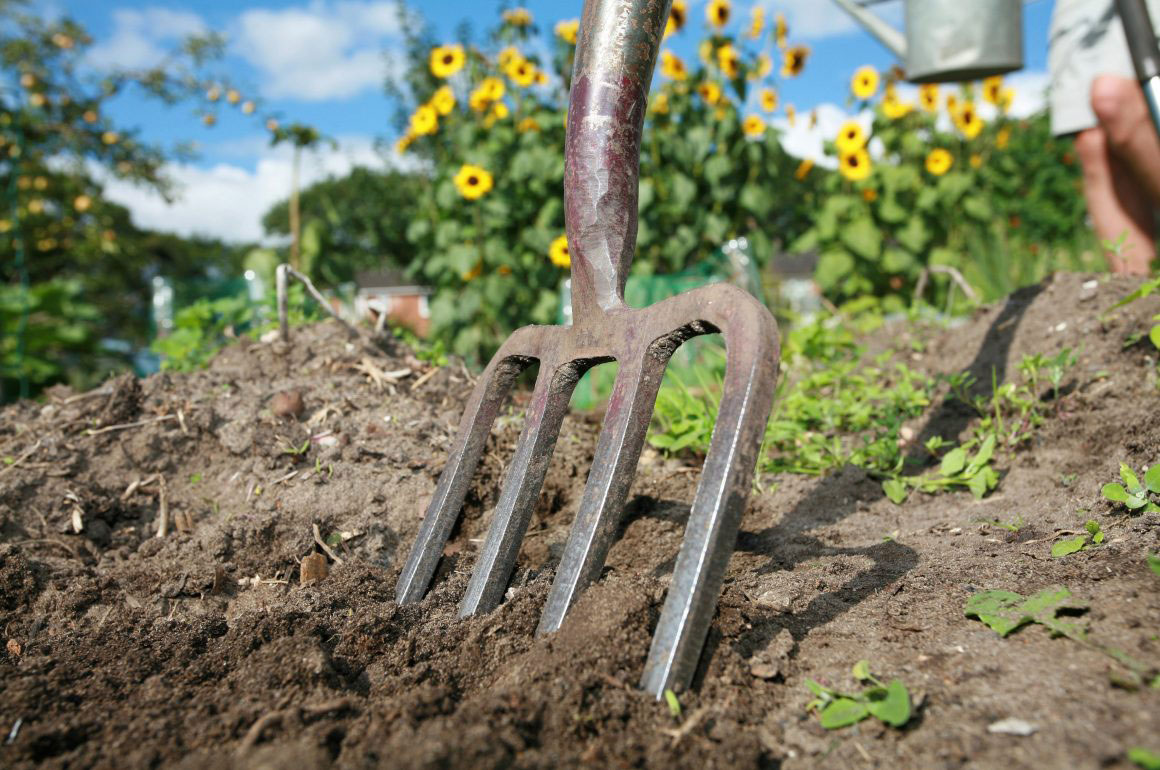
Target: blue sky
[[324, 62]]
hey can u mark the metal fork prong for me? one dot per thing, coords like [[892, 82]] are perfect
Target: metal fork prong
[[525, 477], [443, 511], [613, 468], [711, 534]]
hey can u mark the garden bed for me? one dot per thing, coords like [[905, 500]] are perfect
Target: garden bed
[[203, 649]]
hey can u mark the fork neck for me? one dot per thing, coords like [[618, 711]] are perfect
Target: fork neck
[[615, 56]]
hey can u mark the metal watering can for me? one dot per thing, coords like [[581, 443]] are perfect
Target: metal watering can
[[950, 40]]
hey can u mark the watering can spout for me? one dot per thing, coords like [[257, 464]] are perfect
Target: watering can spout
[[886, 34]]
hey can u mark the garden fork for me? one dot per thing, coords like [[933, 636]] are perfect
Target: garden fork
[[614, 62]]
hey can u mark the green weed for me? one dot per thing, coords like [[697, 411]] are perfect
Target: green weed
[[889, 703], [1145, 758], [1154, 562], [1146, 288], [1011, 526], [1092, 536], [1134, 495], [673, 703]]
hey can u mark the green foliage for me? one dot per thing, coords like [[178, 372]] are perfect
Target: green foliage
[[1154, 562], [957, 469], [1136, 497], [352, 223], [1147, 288], [1006, 611], [1092, 536], [673, 703], [59, 335], [889, 703], [1145, 758]]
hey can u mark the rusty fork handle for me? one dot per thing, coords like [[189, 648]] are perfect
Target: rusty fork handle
[[615, 56]]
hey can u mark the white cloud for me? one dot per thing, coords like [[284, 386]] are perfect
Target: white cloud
[[326, 50], [138, 35], [228, 201]]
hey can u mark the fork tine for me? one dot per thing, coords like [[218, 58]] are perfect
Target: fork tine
[[613, 467], [750, 376], [525, 477], [495, 382]]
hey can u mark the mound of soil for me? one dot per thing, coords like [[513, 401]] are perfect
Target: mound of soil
[[164, 600]]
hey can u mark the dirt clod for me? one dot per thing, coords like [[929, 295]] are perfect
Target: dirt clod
[[288, 403]]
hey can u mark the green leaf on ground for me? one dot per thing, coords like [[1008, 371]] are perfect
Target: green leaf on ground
[[1005, 611], [954, 461], [1152, 478], [1154, 562], [1071, 545], [861, 670], [674, 704], [895, 490], [1114, 492], [1145, 758], [843, 712], [894, 706]]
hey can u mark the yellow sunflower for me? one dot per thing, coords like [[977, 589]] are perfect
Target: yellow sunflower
[[762, 67], [753, 125], [939, 161], [1003, 137], [672, 66], [968, 121], [756, 22], [424, 120], [790, 114], [976, 160], [952, 104], [855, 166], [478, 100], [850, 138], [499, 111], [729, 61], [993, 89], [768, 99], [492, 88], [527, 125], [446, 60], [710, 92], [678, 14], [443, 100], [521, 71], [865, 82], [803, 170], [892, 107], [869, 195], [473, 182], [1006, 99], [794, 61], [517, 17], [566, 30], [705, 51], [660, 104], [558, 252], [717, 12], [404, 142], [780, 30], [928, 97], [507, 55]]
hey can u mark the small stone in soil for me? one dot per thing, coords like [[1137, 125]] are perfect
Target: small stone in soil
[[1011, 726], [288, 403], [314, 569]]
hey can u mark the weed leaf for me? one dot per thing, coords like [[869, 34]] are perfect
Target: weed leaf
[[1064, 547], [1149, 760], [817, 689], [954, 461], [1130, 479], [1005, 611], [895, 490], [1152, 475], [983, 456], [673, 703], [894, 707], [843, 712], [1114, 492], [1154, 335], [861, 670], [1154, 562]]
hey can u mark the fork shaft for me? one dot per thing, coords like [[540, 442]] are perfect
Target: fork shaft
[[613, 468], [525, 477]]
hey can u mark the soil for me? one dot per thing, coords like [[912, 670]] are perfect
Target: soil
[[206, 648]]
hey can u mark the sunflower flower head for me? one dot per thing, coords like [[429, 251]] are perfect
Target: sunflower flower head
[[558, 252], [678, 14], [709, 92], [761, 67], [660, 104], [794, 61], [517, 17], [855, 165], [1003, 138], [768, 98], [1006, 99], [928, 97], [521, 72], [729, 61], [473, 182], [968, 121], [850, 137], [443, 100], [993, 89], [424, 120], [756, 23], [939, 161], [864, 84], [976, 160], [446, 60], [753, 125], [527, 126], [780, 30], [566, 30], [717, 13], [506, 55], [672, 66], [892, 106]]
